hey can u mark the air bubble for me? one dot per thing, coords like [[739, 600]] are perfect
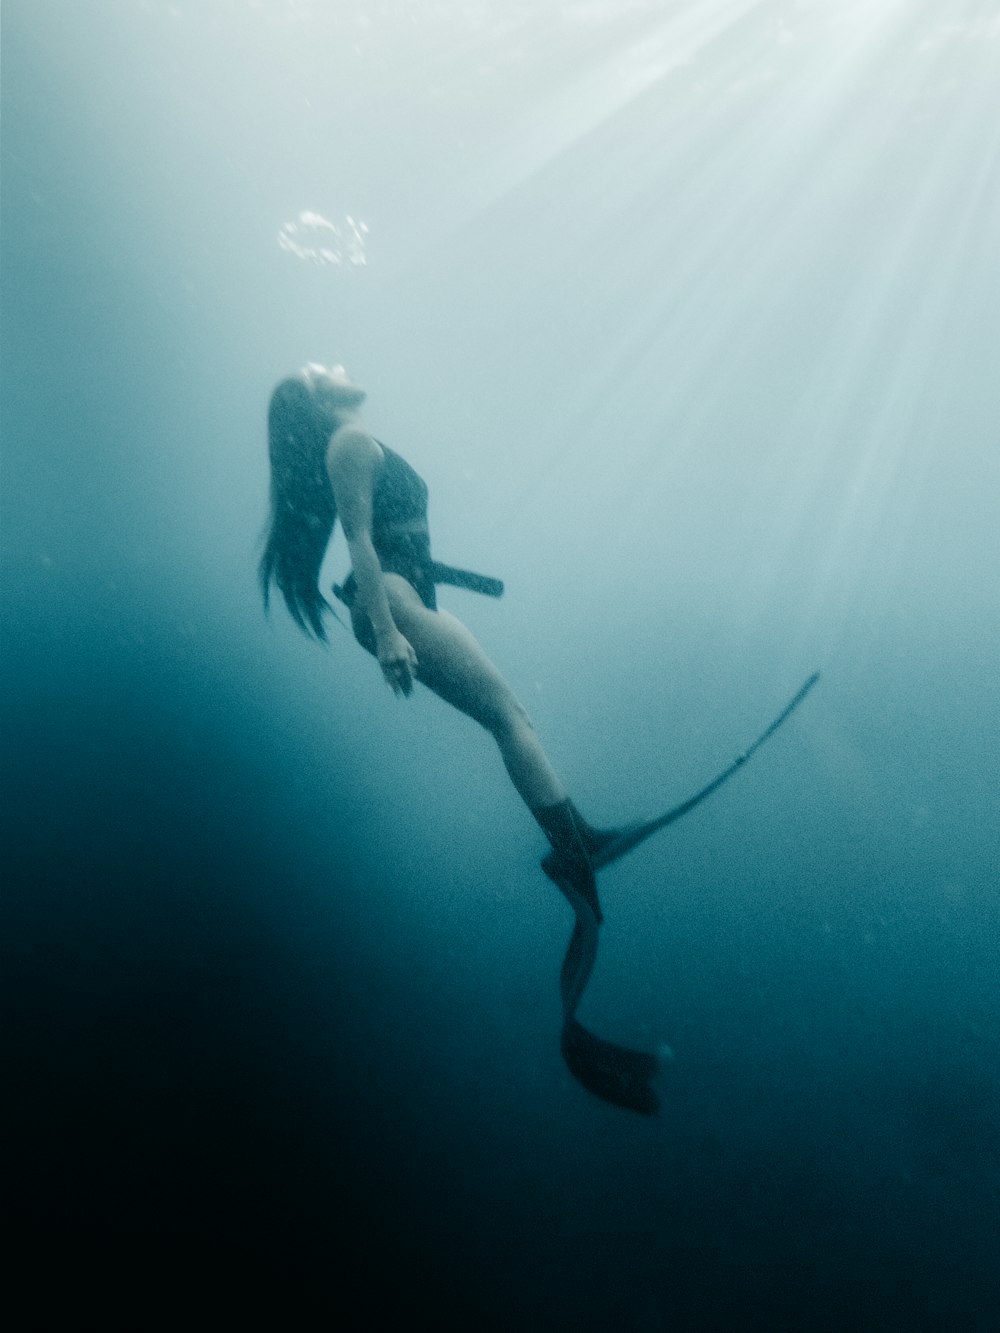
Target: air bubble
[[313, 238]]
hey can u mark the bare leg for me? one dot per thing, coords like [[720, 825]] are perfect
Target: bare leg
[[454, 666]]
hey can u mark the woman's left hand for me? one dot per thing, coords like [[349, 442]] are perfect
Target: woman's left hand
[[398, 662]]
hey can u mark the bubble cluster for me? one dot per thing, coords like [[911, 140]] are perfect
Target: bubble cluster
[[315, 239]]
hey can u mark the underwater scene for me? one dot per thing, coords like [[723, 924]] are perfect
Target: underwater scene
[[687, 314]]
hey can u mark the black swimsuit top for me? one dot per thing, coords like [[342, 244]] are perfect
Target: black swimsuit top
[[399, 498], [400, 534]]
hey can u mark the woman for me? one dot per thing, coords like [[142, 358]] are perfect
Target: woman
[[325, 464]]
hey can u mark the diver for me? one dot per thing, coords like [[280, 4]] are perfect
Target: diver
[[325, 465]]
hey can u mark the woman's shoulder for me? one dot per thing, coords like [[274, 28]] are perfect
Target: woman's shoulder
[[353, 448]]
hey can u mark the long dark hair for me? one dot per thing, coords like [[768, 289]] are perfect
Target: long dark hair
[[302, 508]]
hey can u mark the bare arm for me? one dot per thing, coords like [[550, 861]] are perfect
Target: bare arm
[[353, 463]]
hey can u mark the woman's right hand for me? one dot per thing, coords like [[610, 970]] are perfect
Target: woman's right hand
[[398, 662]]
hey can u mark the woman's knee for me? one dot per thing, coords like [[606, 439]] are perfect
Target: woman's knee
[[511, 720]]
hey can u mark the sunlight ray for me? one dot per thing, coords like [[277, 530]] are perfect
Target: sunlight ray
[[590, 98]]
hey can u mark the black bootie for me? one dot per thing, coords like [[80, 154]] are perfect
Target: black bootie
[[594, 839], [570, 856]]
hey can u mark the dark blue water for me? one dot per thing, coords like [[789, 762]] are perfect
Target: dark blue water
[[688, 314]]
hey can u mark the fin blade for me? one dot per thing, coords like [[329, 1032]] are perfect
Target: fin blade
[[615, 1074], [621, 841]]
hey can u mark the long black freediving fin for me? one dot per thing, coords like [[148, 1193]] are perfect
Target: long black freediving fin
[[618, 842], [616, 1074]]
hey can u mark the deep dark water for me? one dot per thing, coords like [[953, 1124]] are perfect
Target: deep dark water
[[226, 1094]]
